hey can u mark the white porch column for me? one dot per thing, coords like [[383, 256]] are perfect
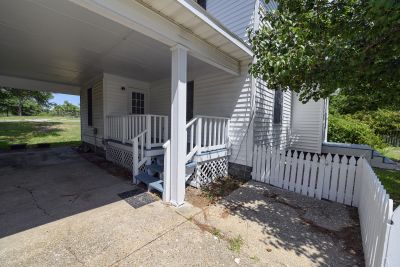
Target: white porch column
[[178, 123]]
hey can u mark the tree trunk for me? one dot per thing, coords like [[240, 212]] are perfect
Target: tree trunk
[[19, 108]]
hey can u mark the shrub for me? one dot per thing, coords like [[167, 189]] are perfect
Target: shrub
[[345, 129], [381, 121]]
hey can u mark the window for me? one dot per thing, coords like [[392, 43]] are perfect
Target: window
[[189, 100], [137, 103], [278, 105], [90, 107], [202, 3]]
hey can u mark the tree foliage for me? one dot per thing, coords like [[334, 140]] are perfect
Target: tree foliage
[[24, 102], [315, 47], [66, 109]]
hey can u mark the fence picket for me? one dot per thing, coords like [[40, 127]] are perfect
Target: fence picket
[[321, 177], [342, 179], [281, 168], [293, 172], [276, 165], [273, 160], [313, 176], [299, 176], [306, 175], [287, 170], [334, 178], [327, 176], [263, 155], [268, 165], [350, 181]]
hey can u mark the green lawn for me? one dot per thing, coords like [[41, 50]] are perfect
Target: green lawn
[[391, 152], [391, 181], [39, 129]]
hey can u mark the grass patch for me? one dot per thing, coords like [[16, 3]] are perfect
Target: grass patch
[[391, 181], [33, 130], [391, 152], [236, 243], [255, 258]]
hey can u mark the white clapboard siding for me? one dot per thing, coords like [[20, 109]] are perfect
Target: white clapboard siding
[[307, 130], [342, 179], [309, 174], [237, 16]]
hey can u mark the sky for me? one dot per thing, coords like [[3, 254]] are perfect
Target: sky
[[60, 98]]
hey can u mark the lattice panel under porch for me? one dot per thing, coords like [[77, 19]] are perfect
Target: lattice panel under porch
[[119, 156], [208, 171]]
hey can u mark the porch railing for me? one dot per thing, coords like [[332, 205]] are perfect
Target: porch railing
[[124, 128], [206, 133]]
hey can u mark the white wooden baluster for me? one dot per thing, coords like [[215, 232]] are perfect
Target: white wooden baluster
[[167, 175], [205, 132], [165, 129], [148, 133], [135, 159], [198, 132]]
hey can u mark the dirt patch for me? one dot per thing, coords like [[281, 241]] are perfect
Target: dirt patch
[[214, 192]]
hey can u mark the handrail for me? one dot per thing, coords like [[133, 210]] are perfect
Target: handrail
[[135, 152], [191, 122], [167, 175]]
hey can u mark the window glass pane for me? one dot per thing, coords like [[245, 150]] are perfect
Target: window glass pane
[[278, 105]]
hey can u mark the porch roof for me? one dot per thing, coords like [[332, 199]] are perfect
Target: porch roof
[[60, 45], [195, 19]]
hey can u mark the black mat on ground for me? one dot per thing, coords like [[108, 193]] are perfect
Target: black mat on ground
[[137, 197]]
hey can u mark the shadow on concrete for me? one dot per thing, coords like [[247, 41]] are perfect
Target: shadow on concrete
[[296, 223], [38, 187]]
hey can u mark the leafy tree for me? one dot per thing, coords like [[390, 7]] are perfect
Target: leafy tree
[[315, 47], [24, 100], [66, 109]]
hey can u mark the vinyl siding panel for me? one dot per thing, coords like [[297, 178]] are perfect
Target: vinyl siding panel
[[265, 131], [117, 101], [87, 133], [307, 126], [237, 15], [221, 95]]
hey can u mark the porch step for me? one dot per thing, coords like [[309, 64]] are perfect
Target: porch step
[[158, 185], [155, 168], [146, 179]]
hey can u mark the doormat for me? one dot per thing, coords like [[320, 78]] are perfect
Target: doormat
[[137, 197]]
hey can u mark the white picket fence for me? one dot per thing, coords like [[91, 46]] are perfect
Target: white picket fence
[[341, 179], [310, 174]]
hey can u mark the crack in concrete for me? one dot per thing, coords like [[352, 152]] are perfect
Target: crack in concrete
[[74, 254], [150, 242], [30, 191]]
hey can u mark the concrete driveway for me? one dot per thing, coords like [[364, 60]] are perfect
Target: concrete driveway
[[58, 209]]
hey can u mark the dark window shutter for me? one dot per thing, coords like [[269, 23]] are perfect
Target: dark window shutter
[[90, 107], [278, 106], [189, 100], [202, 3]]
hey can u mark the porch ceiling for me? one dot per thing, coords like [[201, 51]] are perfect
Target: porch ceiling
[[61, 42]]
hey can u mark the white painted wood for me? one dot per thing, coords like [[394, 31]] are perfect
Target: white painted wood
[[167, 172], [29, 84], [306, 175], [307, 132], [287, 170], [342, 179], [299, 176], [264, 152], [327, 176], [321, 177], [313, 177], [334, 179], [178, 124], [293, 171], [393, 255], [268, 164], [350, 181], [282, 159]]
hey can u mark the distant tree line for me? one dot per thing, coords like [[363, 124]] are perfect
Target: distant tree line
[[21, 102]]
